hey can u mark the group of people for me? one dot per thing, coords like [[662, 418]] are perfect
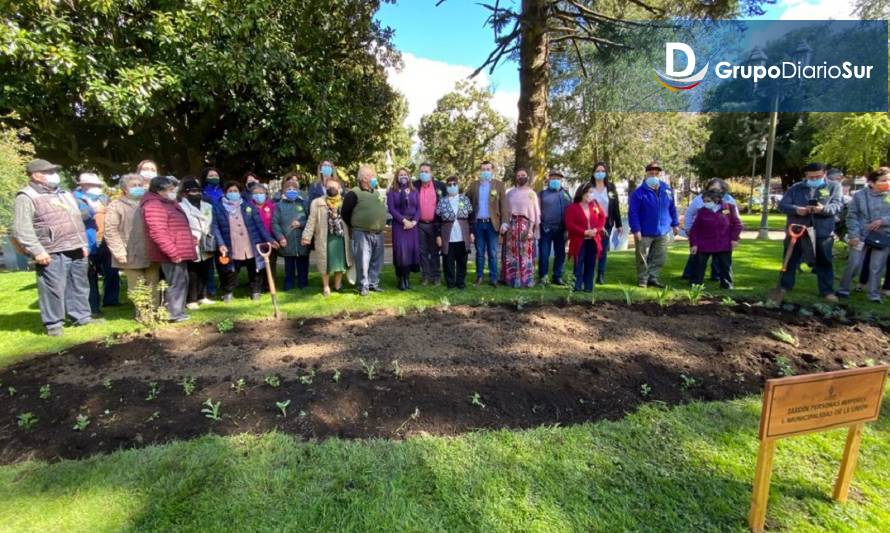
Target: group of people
[[187, 231]]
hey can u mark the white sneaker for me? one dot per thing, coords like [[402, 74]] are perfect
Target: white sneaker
[[192, 306], [206, 301]]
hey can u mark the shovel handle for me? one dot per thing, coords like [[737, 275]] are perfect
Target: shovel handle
[[264, 246]]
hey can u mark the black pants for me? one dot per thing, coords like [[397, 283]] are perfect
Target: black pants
[[455, 265], [721, 264], [863, 275], [824, 267], [199, 271], [229, 278], [296, 272]]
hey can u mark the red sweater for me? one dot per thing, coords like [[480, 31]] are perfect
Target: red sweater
[[167, 232], [577, 223], [713, 232]]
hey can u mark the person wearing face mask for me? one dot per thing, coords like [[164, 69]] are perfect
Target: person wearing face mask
[[326, 171], [200, 217], [455, 211], [714, 235], [125, 236], [260, 199], [325, 226], [585, 220], [813, 202], [238, 228], [652, 216], [170, 242], [364, 211], [92, 202], [429, 192], [49, 229], [212, 186], [490, 209], [250, 181], [288, 224], [554, 200], [520, 232], [148, 169], [868, 224], [403, 204], [714, 186], [606, 195]]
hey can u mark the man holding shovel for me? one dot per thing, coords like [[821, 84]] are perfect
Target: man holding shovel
[[813, 204]]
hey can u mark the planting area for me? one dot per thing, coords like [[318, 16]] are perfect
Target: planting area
[[393, 375]]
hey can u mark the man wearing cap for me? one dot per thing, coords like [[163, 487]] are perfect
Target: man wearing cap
[[554, 200], [652, 216], [92, 202], [48, 227], [814, 203]]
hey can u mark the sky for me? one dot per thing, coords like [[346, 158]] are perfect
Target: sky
[[443, 45]]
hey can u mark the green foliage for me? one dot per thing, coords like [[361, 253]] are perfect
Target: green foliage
[[784, 364], [240, 385], [225, 325], [282, 406], [783, 336], [370, 368], [476, 399], [81, 422], [695, 293], [188, 385], [211, 410], [45, 392], [14, 155], [148, 313], [153, 391], [26, 421], [273, 381], [858, 142]]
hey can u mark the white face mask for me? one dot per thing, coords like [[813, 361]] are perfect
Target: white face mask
[[94, 191], [171, 195], [53, 179], [148, 174]]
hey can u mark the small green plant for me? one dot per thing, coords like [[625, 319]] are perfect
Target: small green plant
[[520, 302], [11, 390], [823, 309], [476, 399], [110, 340], [783, 336], [273, 381], [687, 382], [695, 293], [445, 303], [27, 421], [211, 410], [153, 391], [849, 363], [401, 311], [225, 325], [282, 406], [306, 379], [645, 390], [869, 362], [81, 422], [45, 392], [663, 296], [107, 383], [240, 385], [148, 313], [628, 294], [397, 369], [188, 385], [784, 365], [154, 416], [336, 377], [370, 368], [728, 302]]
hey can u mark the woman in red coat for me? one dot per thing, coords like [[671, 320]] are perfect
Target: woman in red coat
[[585, 220], [169, 241]]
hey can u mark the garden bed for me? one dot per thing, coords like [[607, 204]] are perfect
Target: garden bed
[[459, 369]]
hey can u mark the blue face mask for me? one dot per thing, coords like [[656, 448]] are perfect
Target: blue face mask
[[599, 175], [291, 195], [233, 196], [653, 181], [710, 205], [327, 171], [425, 177], [485, 175], [555, 185], [373, 183], [136, 192], [259, 198], [815, 184], [452, 189], [93, 196]]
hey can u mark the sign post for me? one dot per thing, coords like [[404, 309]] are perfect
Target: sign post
[[815, 402]]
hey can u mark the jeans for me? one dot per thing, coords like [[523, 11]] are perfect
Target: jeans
[[863, 276], [177, 277], [554, 238], [100, 266], [651, 254], [296, 272], [601, 263], [198, 272], [63, 288], [486, 245], [824, 268], [873, 263], [367, 249], [585, 264]]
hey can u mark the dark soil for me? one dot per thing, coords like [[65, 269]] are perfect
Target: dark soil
[[540, 365]]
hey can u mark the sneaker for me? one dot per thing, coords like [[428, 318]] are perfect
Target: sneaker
[[378, 288], [88, 321], [642, 284], [191, 306], [54, 332], [655, 283], [182, 318], [830, 297], [227, 299], [206, 301], [842, 294], [875, 300]]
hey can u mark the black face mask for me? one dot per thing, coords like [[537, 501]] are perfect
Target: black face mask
[[194, 199], [332, 191], [521, 181]]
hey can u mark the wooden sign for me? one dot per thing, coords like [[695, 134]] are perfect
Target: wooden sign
[[815, 402]]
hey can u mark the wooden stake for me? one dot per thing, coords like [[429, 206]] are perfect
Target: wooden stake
[[760, 495], [848, 463]]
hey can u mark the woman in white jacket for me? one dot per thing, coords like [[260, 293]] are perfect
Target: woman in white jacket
[[200, 216]]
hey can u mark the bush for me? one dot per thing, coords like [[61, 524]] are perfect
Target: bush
[[14, 155]]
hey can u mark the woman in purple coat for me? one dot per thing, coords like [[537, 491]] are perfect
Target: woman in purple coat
[[403, 205]]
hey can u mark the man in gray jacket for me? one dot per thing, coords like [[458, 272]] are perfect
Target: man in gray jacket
[[48, 228], [868, 213]]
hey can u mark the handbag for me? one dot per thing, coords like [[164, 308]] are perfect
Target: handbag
[[876, 239], [208, 243]]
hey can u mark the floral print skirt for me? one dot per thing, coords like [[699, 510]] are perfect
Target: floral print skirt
[[518, 255]]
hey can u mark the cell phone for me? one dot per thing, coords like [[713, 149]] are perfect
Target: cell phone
[[813, 202]]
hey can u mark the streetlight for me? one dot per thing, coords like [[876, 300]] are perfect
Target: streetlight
[[756, 148], [774, 88]]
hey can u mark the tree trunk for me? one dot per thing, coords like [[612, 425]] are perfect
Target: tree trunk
[[534, 84]]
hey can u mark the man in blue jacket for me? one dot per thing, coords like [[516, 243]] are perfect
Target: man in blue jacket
[[652, 216], [553, 200], [813, 202]]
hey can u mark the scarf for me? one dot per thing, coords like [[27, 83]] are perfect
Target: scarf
[[335, 222], [231, 206]]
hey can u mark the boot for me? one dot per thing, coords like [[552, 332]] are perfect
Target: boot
[[407, 282], [402, 282]]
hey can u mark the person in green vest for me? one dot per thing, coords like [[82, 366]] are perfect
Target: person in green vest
[[364, 211]]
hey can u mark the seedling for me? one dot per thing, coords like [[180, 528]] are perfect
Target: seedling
[[687, 382], [153, 391], [520, 302], [225, 325], [476, 399], [727, 301], [273, 381], [188, 385], [370, 368], [784, 365], [445, 303], [645, 390], [27, 421], [154, 416], [397, 369], [401, 311], [240, 385], [282, 406], [663, 296], [11, 391], [869, 362], [106, 383], [211, 410], [81, 422], [783, 336], [306, 379], [849, 364], [695, 293], [45, 392], [336, 377], [628, 294], [109, 341]]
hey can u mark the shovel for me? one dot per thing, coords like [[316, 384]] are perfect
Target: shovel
[[795, 232], [268, 251]]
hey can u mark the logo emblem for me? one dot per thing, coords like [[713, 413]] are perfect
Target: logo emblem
[[679, 80]]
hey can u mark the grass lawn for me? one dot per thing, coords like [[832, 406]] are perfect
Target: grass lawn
[[776, 221]]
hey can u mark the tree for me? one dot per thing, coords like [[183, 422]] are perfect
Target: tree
[[858, 142], [461, 131], [14, 155], [242, 84]]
